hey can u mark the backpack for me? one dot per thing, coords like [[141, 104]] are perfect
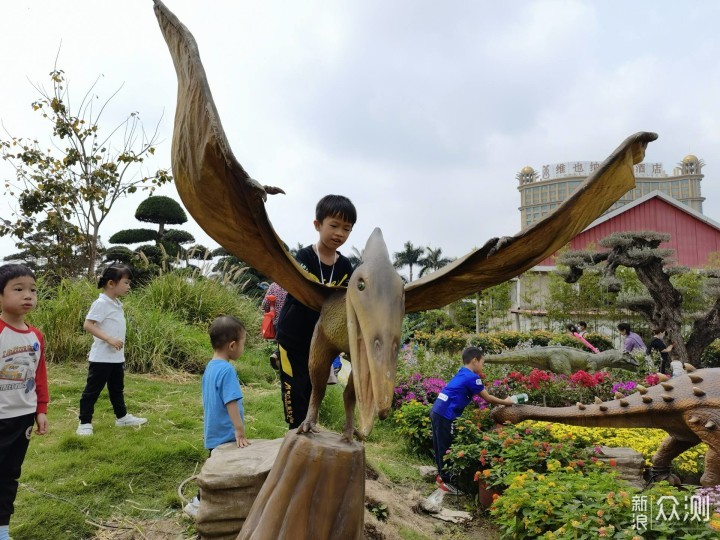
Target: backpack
[[268, 328]]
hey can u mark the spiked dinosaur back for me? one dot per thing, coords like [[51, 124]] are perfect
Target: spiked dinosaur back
[[687, 407], [673, 405]]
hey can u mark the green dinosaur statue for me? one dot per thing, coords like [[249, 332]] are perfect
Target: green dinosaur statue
[[565, 360], [687, 407], [366, 320]]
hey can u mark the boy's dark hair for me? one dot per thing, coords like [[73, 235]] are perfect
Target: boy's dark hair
[[582, 323], [336, 206], [470, 353], [12, 271], [658, 329], [624, 327], [225, 329], [114, 273]]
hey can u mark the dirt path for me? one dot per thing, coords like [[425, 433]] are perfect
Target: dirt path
[[402, 520]]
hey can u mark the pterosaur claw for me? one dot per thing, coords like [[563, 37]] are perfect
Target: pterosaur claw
[[308, 426]]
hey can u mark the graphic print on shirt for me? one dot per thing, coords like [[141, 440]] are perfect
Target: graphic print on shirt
[[331, 282], [17, 367]]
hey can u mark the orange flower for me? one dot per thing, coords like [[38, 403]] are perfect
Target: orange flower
[[487, 473], [613, 462], [461, 453]]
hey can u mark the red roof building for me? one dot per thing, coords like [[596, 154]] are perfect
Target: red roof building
[[693, 236]]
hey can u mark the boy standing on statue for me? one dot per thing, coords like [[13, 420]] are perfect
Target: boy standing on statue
[[451, 402], [335, 217]]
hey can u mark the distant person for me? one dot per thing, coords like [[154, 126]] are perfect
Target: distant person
[[24, 392], [408, 350], [573, 330], [582, 328], [451, 402], [106, 322], [632, 341], [280, 294], [657, 343], [335, 217]]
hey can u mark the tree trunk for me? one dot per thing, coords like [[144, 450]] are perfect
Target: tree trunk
[[315, 491], [668, 304]]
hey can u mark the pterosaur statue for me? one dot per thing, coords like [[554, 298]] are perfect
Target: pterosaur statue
[[365, 320]]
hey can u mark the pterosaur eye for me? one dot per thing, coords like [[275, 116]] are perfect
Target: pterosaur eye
[[361, 284]]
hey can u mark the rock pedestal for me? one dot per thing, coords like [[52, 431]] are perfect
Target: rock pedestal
[[315, 491], [229, 483], [629, 464]]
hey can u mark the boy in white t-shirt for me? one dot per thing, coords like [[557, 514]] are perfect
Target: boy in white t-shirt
[[106, 322]]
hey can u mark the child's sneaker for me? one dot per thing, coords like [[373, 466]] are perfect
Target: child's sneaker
[[447, 488], [191, 508], [84, 430], [275, 360], [130, 420]]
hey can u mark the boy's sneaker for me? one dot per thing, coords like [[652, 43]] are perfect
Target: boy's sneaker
[[447, 488], [130, 420], [84, 430], [191, 508]]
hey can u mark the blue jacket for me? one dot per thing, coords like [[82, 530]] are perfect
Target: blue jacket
[[457, 394]]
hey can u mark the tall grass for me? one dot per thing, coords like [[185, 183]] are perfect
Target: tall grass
[[167, 321], [199, 301]]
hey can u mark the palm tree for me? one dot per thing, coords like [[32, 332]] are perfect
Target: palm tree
[[433, 260], [409, 256]]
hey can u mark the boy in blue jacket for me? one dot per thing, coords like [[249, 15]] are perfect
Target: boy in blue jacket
[[451, 402]]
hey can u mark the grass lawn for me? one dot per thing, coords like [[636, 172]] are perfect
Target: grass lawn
[[71, 485]]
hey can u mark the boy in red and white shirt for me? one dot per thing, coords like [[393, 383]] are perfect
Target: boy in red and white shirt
[[24, 392]]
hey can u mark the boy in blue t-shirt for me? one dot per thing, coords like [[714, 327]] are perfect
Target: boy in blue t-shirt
[[223, 412], [451, 402]]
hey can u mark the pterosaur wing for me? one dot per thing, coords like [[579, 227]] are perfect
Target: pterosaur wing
[[213, 186], [496, 262]]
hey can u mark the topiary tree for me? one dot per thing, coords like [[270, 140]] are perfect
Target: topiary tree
[[661, 300], [161, 210], [167, 243]]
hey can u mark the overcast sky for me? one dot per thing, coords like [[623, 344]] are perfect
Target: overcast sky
[[422, 112]]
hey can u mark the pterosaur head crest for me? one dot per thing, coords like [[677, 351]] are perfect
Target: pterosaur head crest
[[375, 309]]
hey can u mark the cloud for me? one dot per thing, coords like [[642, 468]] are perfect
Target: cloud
[[420, 112]]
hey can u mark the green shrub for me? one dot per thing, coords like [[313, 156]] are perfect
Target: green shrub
[[510, 338], [567, 503], [487, 342], [601, 341], [450, 341], [413, 426], [541, 338], [711, 355]]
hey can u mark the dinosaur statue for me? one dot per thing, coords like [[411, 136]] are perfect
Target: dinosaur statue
[[687, 407], [365, 321], [565, 360]]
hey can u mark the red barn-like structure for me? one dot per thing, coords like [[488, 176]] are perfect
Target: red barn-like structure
[[693, 236]]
